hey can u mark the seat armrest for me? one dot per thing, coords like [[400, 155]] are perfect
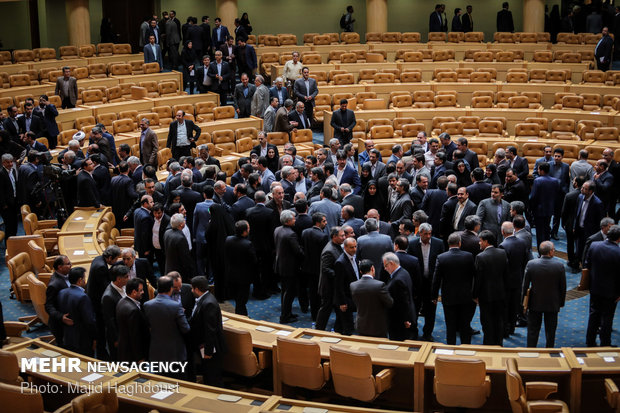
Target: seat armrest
[[44, 277], [47, 223], [487, 385], [15, 328], [326, 371], [49, 233], [612, 393], [264, 360], [539, 390], [49, 261], [383, 380], [127, 232], [546, 406]]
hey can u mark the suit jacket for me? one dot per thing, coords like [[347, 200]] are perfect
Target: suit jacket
[[149, 148], [37, 126], [417, 196], [415, 249], [372, 247], [345, 275], [27, 179], [470, 209], [173, 33], [239, 208], [594, 214], [207, 43], [150, 58], [178, 255], [206, 326], [225, 72], [561, 172], [592, 238], [49, 114], [467, 23], [80, 336], [471, 243], [55, 285], [517, 191], [402, 209], [479, 191], [299, 88], [217, 42], [163, 226], [412, 266], [123, 195], [487, 211], [189, 199], [260, 101], [313, 240], [431, 204], [110, 299], [243, 103], [144, 271], [201, 221], [403, 309], [193, 133], [240, 260], [491, 275], [604, 189], [603, 261], [73, 89], [379, 169], [357, 202], [273, 93], [293, 116], [329, 208], [262, 224], [546, 194], [504, 21], [435, 22], [372, 300], [548, 284], [454, 274], [289, 254], [194, 35], [8, 199], [269, 118], [87, 194], [327, 276], [603, 49], [347, 121], [521, 168], [569, 210], [518, 253], [101, 175], [98, 280], [351, 177], [143, 231], [168, 324], [447, 216], [257, 149], [282, 123], [133, 331]]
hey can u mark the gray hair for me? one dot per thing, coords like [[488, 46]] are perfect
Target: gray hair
[[96, 129], [112, 251], [129, 251], [333, 141], [390, 257], [286, 171], [288, 103], [607, 221], [508, 228], [346, 188], [279, 79], [425, 227], [454, 239], [74, 142], [545, 247], [199, 162], [261, 133], [7, 157], [133, 160], [286, 216], [203, 146], [145, 120], [69, 155], [175, 166], [260, 79], [500, 153], [371, 225], [176, 220]]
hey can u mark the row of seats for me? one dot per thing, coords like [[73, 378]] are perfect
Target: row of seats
[[32, 77], [65, 52]]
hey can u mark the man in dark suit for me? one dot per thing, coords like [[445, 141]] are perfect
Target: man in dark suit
[[181, 143], [244, 92], [59, 281], [435, 22], [288, 260], [313, 240], [373, 244], [432, 204], [467, 21], [119, 275], [426, 248], [403, 207], [149, 144], [189, 198], [546, 294], [204, 82], [569, 210], [139, 268], [494, 211], [207, 333], [239, 208], [604, 182], [98, 280], [504, 19], [220, 34], [207, 43], [80, 335], [454, 274], [87, 192], [132, 327], [560, 171], [279, 91], [588, 216], [343, 122], [27, 179], [122, 194], [412, 266], [48, 112], [263, 146], [168, 325], [346, 272], [28, 122], [469, 236], [220, 74], [606, 224], [401, 317], [354, 200], [349, 175], [161, 221], [305, 91], [479, 190], [101, 175], [9, 209], [240, 264], [447, 212], [178, 255], [194, 35], [260, 219], [372, 301], [518, 253], [462, 210], [546, 192], [66, 88], [143, 228], [327, 277], [489, 290], [152, 52], [517, 164], [603, 50], [602, 262], [515, 188]]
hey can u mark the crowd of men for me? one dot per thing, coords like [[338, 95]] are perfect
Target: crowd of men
[[464, 22]]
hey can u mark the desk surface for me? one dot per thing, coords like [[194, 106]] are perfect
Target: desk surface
[[264, 339]]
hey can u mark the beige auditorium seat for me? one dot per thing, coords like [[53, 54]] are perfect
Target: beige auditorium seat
[[543, 125], [423, 99], [606, 134], [436, 37], [410, 37], [299, 363], [461, 383], [563, 129], [490, 129], [533, 396], [240, 358], [585, 128], [518, 102]]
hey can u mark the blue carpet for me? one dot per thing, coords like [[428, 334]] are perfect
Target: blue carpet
[[570, 333]]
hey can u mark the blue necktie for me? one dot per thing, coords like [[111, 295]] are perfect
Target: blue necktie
[[245, 92]]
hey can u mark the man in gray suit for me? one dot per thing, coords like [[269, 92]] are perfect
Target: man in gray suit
[[244, 92], [546, 294], [152, 53], [373, 245], [173, 39], [330, 208], [377, 168], [372, 300], [269, 116], [493, 211], [168, 324], [260, 100], [305, 91], [66, 88]]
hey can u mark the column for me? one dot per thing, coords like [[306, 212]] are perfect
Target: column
[[78, 22], [376, 16], [533, 16], [227, 11]]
